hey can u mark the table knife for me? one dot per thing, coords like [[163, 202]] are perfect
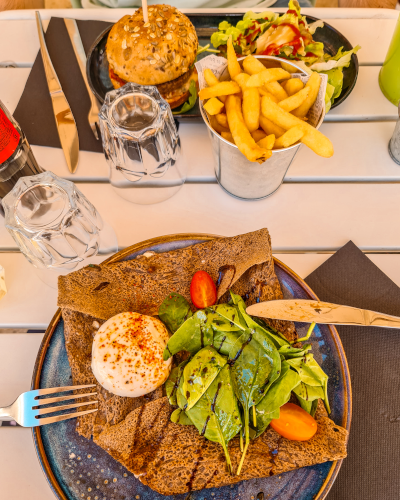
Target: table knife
[[65, 121], [309, 311], [80, 55]]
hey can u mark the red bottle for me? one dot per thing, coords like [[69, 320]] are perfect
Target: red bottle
[[16, 157]]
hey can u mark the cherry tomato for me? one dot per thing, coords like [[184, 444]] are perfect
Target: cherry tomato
[[203, 291], [294, 423]]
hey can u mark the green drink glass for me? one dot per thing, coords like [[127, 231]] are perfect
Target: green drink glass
[[389, 75]]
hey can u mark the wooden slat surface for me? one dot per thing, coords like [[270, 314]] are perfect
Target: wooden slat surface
[[299, 216]]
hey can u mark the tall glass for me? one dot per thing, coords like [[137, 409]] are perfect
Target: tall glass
[[389, 76]]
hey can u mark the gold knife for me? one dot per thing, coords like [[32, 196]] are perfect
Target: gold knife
[[315, 311], [65, 121]]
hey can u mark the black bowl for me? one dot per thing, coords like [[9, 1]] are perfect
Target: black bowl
[[100, 83]]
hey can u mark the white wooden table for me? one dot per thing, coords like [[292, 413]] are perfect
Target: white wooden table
[[321, 205]]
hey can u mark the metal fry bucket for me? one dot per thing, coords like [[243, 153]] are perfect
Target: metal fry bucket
[[240, 177]]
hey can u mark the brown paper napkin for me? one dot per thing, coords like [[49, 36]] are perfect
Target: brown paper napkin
[[34, 111], [372, 469]]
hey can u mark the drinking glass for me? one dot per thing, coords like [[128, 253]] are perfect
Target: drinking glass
[[389, 75], [141, 145], [55, 225]]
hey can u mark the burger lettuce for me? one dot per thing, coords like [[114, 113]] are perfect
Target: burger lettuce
[[288, 36], [190, 102]]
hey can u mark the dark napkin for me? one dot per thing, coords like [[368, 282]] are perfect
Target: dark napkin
[[34, 111], [372, 469]]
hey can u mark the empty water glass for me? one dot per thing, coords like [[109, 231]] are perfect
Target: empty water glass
[[55, 225], [141, 145]]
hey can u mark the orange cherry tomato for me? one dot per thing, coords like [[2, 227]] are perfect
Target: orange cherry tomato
[[294, 423], [203, 291]]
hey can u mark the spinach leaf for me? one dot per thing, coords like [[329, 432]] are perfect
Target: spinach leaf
[[276, 338], [195, 333], [250, 370], [231, 315], [309, 406], [199, 373], [294, 352], [309, 392], [180, 398], [174, 311], [311, 374], [279, 394], [273, 355], [178, 416], [216, 414], [172, 383], [224, 340]]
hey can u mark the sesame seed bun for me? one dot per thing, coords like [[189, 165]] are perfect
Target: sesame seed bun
[[152, 53]]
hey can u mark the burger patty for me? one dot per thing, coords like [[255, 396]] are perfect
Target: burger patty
[[164, 88]]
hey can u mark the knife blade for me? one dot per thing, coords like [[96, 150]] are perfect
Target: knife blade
[[309, 311], [65, 121]]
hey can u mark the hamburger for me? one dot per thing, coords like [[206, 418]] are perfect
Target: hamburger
[[160, 52]]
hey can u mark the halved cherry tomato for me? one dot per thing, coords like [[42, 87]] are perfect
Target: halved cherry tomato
[[203, 290], [294, 423]]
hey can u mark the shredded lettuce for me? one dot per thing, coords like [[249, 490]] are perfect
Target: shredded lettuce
[[186, 106], [330, 89], [270, 16], [313, 26], [340, 60]]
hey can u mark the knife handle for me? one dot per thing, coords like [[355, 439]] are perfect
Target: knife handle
[[80, 55], [51, 76]]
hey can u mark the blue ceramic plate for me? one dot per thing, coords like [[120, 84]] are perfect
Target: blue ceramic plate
[[78, 469]]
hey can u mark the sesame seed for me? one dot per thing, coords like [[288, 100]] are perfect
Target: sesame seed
[[153, 61], [133, 36], [146, 25], [152, 35], [159, 19], [169, 36], [136, 29]]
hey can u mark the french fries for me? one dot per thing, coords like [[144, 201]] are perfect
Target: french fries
[[312, 137], [277, 90], [268, 142], [267, 76], [228, 136], [251, 102], [212, 80], [233, 64], [252, 66], [290, 137], [221, 88], [222, 120], [295, 100], [262, 108], [243, 140], [292, 86], [257, 135], [264, 91], [216, 126], [213, 106], [313, 85], [270, 127]]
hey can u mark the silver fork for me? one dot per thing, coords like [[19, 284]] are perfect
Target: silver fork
[[80, 55], [27, 408]]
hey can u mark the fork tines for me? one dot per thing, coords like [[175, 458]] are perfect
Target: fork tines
[[41, 407]]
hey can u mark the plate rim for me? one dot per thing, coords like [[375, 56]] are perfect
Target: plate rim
[[338, 101], [137, 247]]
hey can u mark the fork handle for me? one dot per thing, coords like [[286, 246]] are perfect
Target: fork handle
[[5, 414]]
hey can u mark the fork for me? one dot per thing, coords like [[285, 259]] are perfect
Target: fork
[[75, 37], [27, 410]]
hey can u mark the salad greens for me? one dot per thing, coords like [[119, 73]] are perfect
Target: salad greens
[[241, 371], [288, 36]]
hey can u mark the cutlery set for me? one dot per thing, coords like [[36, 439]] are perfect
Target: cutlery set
[[65, 122]]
